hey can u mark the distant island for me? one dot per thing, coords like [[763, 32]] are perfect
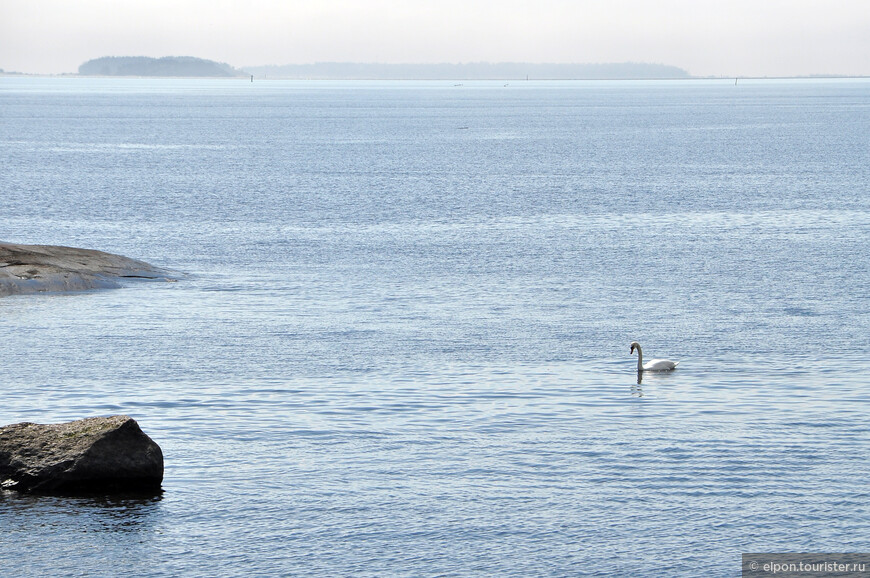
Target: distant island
[[189, 66], [469, 71], [166, 66]]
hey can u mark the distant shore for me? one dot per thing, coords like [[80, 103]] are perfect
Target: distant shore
[[267, 77]]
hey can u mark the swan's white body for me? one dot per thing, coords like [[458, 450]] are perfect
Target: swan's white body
[[653, 364]]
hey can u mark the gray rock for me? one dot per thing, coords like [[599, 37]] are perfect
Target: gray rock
[[98, 454], [36, 268]]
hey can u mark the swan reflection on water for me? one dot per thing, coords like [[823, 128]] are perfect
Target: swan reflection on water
[[652, 374], [637, 390]]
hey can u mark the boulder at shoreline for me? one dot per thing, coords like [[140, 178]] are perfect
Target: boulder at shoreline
[[93, 455], [48, 268]]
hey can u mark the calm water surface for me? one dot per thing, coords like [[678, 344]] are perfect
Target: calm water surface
[[400, 340]]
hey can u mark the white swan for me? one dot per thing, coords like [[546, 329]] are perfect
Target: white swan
[[655, 364]]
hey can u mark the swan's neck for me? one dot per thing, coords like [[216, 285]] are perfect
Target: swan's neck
[[639, 358]]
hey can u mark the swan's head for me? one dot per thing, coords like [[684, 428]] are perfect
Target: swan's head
[[634, 345]]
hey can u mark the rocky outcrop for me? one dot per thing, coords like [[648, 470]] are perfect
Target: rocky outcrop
[[37, 268], [98, 454]]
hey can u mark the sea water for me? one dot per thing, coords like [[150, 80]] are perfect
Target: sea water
[[399, 340]]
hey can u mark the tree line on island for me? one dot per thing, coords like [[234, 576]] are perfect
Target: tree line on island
[[166, 66], [189, 66]]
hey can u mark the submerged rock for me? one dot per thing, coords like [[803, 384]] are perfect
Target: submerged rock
[[36, 268], [98, 454]]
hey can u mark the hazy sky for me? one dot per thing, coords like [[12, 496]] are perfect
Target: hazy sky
[[728, 37]]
